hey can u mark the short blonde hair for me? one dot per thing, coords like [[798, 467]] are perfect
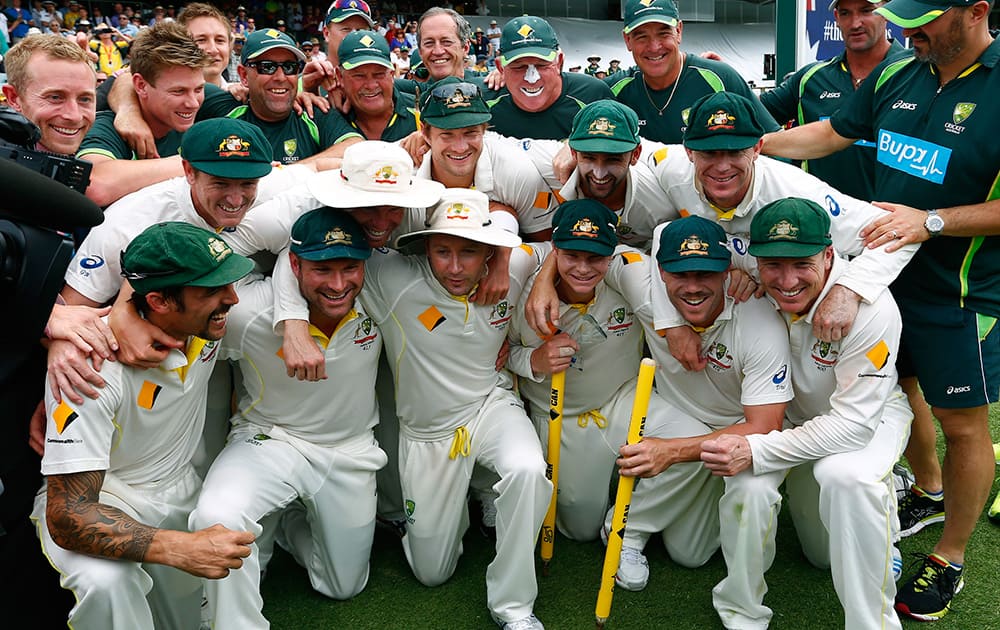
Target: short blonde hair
[[163, 46], [55, 46], [201, 9]]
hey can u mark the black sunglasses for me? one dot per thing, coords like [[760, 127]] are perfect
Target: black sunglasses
[[447, 93], [138, 275], [270, 67]]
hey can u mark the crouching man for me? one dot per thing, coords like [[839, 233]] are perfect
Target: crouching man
[[844, 430]]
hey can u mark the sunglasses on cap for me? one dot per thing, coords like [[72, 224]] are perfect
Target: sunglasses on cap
[[270, 67], [360, 5], [447, 92], [421, 73], [138, 275]]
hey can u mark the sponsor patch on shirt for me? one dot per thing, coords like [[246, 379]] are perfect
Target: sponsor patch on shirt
[[431, 318], [913, 156]]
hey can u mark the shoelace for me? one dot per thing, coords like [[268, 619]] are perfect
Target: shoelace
[[633, 556], [521, 624]]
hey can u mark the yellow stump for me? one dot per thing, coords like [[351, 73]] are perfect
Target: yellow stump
[[612, 554], [556, 395]]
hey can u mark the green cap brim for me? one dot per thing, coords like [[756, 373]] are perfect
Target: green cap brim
[[232, 269], [334, 252], [366, 59], [778, 249], [301, 56], [909, 14], [234, 169], [721, 142], [602, 145], [457, 121], [662, 19], [545, 54], [695, 263], [582, 245]]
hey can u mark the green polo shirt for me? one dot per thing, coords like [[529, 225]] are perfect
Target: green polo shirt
[[814, 93], [935, 147], [102, 139], [410, 85], [402, 123], [556, 120], [292, 139], [662, 117]]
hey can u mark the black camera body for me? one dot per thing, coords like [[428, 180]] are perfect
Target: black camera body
[[17, 137]]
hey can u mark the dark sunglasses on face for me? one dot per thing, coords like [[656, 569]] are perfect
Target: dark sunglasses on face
[[270, 67]]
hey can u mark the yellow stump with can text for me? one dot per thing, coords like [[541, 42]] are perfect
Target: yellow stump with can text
[[612, 554], [556, 399]]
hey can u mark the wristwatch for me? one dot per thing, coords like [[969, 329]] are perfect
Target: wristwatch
[[934, 223]]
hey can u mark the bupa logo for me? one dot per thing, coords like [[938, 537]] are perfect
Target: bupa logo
[[913, 156]]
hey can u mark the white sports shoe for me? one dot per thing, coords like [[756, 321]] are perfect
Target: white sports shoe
[[530, 622], [633, 570], [902, 479], [897, 563]]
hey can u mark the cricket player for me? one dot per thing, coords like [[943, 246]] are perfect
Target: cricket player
[[303, 441], [844, 430], [455, 409], [112, 515], [743, 390], [599, 348]]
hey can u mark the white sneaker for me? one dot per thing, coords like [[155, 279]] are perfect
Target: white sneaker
[[897, 563], [633, 568], [902, 479], [530, 622]]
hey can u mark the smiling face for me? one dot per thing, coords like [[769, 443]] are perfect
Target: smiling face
[[335, 32], [457, 263], [271, 96], [368, 88], [62, 105], [378, 223], [579, 273], [795, 283], [940, 41], [725, 176], [699, 296], [656, 50], [212, 36], [221, 201], [454, 153], [200, 312], [534, 84], [604, 176], [441, 49], [329, 286], [173, 102]]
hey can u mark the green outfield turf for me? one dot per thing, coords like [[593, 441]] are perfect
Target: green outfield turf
[[801, 596]]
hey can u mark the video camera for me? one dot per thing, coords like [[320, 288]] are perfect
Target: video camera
[[18, 136], [42, 202]]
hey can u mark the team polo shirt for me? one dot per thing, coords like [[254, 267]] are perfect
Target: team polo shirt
[[322, 413], [296, 137], [402, 123], [555, 121], [607, 330], [935, 148], [410, 86], [747, 352], [102, 139], [698, 77], [442, 349], [841, 387], [814, 93], [504, 176], [642, 191], [145, 425], [868, 275]]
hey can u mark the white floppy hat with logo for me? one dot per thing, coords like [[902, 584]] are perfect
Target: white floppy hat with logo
[[374, 173], [465, 213]]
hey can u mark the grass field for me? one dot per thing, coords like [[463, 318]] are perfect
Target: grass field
[[675, 599]]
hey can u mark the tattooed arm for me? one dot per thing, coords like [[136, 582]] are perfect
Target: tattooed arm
[[78, 521]]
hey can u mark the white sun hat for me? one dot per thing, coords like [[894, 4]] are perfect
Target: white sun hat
[[374, 173], [465, 213]]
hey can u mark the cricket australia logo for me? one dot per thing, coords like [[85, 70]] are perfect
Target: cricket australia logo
[[290, 146], [719, 358], [385, 175], [601, 127], [500, 315], [958, 116], [824, 354], [721, 120], [411, 507], [783, 230], [233, 145], [208, 351], [585, 227], [693, 245], [619, 321], [218, 249], [365, 333]]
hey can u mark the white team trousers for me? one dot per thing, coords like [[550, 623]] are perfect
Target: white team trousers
[[844, 510], [116, 594], [261, 471], [587, 455], [501, 439]]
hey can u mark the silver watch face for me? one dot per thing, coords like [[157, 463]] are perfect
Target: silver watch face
[[934, 223]]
